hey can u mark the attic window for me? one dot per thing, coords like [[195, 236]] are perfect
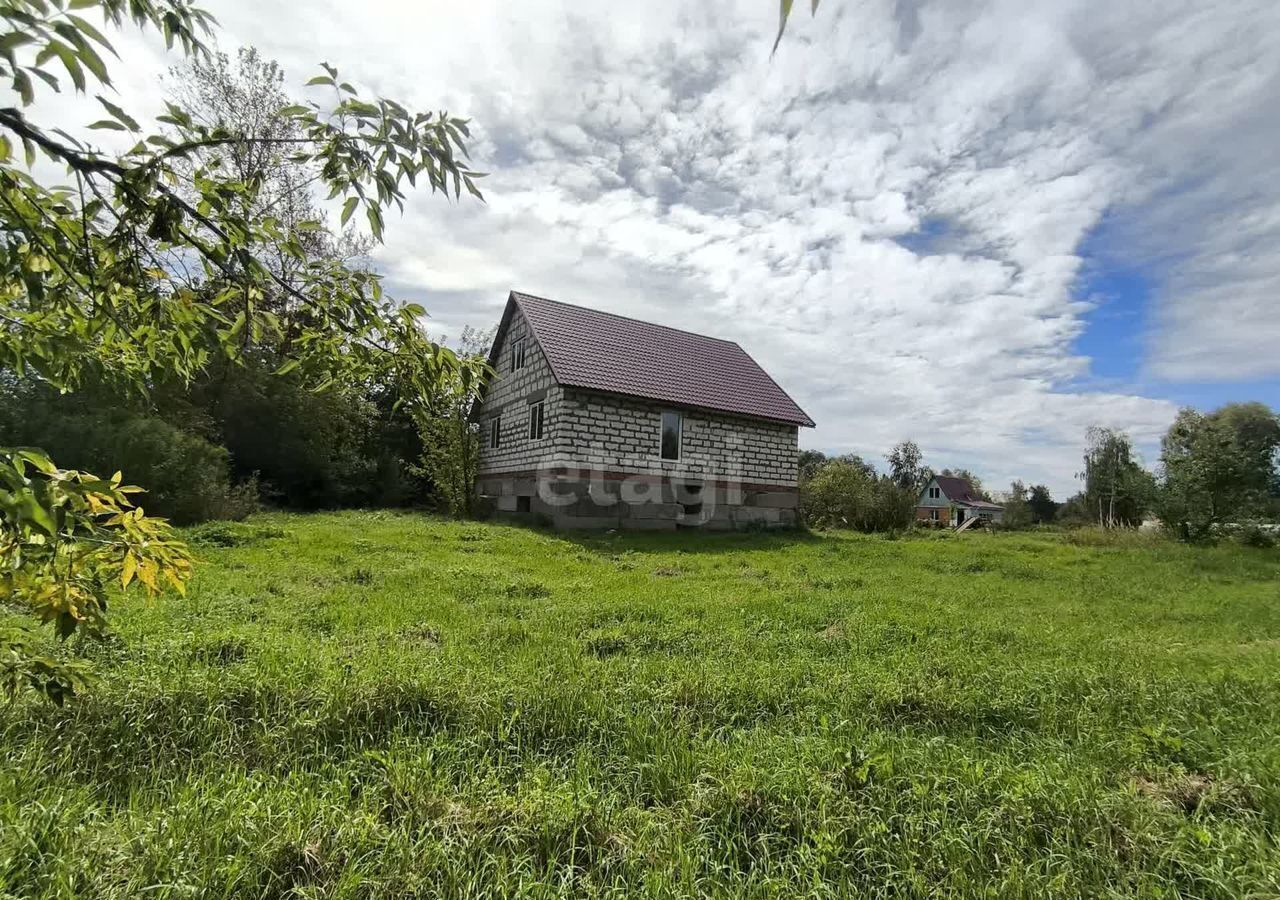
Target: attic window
[[517, 354], [670, 440], [935, 493]]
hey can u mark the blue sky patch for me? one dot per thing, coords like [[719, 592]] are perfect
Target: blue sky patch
[[1121, 294]]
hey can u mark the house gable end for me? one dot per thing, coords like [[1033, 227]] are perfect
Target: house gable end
[[500, 361], [942, 500]]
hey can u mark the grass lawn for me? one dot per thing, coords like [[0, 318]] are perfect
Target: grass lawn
[[387, 705]]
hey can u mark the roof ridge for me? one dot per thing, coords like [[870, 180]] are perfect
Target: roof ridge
[[718, 382], [603, 312]]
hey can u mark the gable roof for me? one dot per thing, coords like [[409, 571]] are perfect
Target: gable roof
[[600, 351], [959, 490]]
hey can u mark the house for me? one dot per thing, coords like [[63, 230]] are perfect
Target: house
[[947, 500], [596, 420]]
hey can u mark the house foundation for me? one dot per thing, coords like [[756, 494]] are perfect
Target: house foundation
[[638, 502]]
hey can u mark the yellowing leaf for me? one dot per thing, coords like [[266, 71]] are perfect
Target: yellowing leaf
[[147, 571], [129, 569]]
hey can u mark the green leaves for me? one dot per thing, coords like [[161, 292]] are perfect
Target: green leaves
[[65, 535], [348, 208], [58, 33], [119, 114], [784, 13], [23, 666]]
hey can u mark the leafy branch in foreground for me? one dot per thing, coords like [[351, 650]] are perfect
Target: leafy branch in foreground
[[125, 272], [784, 13], [152, 261], [66, 539]]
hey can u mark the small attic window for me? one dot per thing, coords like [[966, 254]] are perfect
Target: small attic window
[[517, 354], [935, 493]]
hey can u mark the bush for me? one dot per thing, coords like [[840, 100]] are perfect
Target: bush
[[1256, 536], [187, 478], [309, 450], [1097, 536], [232, 534], [845, 495]]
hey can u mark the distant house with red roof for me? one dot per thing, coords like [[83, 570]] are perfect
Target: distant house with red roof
[[951, 501], [596, 420]]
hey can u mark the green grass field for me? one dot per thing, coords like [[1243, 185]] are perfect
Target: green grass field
[[385, 705]]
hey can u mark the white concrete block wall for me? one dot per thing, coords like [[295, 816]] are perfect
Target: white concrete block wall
[[620, 434], [508, 396]]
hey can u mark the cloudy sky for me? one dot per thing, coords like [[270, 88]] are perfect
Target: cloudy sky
[[983, 226]]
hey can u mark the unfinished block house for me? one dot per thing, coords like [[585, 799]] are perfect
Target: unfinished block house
[[596, 420]]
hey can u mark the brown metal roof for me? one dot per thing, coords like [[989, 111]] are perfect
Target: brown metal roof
[[601, 351], [959, 490]]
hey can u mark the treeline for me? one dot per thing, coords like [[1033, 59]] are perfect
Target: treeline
[[1218, 472], [847, 491], [237, 436], [248, 427]]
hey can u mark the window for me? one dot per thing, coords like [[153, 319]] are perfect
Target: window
[[517, 354], [670, 443], [935, 493], [495, 432], [933, 514], [535, 420], [524, 504]]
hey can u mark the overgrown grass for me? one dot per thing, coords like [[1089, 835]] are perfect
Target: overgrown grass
[[384, 705]]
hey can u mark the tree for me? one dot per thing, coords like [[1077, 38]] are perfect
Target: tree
[[848, 494], [1017, 510], [1217, 468], [450, 437], [246, 98], [857, 462], [1043, 508], [1075, 511], [152, 262], [808, 463], [905, 466], [1118, 490], [974, 482], [64, 536]]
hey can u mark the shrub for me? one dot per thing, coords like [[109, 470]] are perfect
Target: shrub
[[1256, 536], [1097, 536], [186, 477], [309, 450], [846, 495], [232, 534]]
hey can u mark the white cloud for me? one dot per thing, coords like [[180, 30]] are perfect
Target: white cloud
[[887, 214]]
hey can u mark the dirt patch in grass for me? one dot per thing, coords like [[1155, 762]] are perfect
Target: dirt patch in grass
[[527, 590], [425, 635], [221, 652], [1194, 792]]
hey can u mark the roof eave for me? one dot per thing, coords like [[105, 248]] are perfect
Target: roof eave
[[805, 423]]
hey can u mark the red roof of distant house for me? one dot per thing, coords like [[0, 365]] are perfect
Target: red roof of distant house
[[959, 490], [601, 351]]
